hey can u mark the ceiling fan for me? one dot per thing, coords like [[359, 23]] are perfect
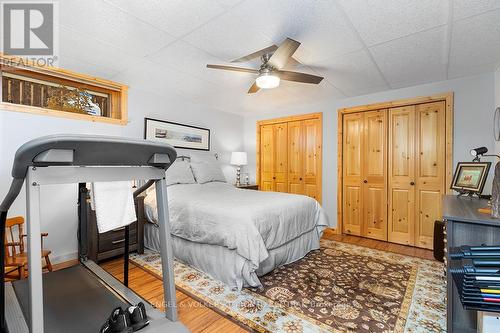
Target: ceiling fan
[[270, 73]]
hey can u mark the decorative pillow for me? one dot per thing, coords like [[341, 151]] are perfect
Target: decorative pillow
[[179, 173], [206, 172]]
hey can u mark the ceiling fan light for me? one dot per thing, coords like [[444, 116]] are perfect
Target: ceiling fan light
[[267, 81]]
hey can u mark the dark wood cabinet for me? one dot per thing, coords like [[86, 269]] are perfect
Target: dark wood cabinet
[[112, 243], [465, 226]]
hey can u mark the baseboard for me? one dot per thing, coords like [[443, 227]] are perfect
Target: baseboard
[[63, 258]]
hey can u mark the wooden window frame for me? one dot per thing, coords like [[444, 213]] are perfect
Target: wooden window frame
[[118, 92], [445, 97]]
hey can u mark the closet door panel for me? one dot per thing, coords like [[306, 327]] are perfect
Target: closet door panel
[[374, 170], [312, 152], [266, 158], [352, 173], [430, 170], [281, 157], [401, 219], [295, 157], [352, 210]]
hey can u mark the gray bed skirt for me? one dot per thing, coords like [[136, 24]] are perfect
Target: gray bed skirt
[[226, 265]]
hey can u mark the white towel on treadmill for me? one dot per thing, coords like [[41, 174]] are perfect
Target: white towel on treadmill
[[114, 205]]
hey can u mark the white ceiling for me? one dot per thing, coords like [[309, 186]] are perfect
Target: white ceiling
[[359, 46]]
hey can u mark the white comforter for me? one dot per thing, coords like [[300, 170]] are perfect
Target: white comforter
[[250, 222]]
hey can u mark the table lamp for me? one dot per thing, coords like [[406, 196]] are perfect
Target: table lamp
[[238, 158]]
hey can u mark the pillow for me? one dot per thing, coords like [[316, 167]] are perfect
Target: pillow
[[203, 158], [179, 173], [206, 172]]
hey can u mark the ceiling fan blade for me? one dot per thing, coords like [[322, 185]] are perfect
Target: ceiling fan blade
[[257, 54], [235, 69], [299, 77], [283, 53], [254, 88]]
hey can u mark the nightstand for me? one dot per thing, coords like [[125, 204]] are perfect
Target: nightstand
[[249, 186]]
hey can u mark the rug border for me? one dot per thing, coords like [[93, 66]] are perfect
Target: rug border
[[245, 323]]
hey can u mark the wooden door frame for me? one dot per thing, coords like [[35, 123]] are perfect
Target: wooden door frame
[[445, 97], [316, 115]]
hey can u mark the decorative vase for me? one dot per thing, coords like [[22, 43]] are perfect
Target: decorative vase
[[495, 193]]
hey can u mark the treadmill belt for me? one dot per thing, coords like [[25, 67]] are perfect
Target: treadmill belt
[[74, 300]]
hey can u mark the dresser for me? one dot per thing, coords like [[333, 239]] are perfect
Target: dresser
[[465, 226], [112, 243]]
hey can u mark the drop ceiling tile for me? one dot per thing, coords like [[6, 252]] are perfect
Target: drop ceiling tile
[[94, 52], [176, 17], [456, 71], [380, 21], [83, 67], [353, 74], [475, 41], [467, 8], [105, 22], [228, 37], [418, 58], [186, 58], [163, 80], [320, 27]]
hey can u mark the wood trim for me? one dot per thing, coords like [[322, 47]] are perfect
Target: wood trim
[[398, 103], [320, 164], [317, 115], [448, 98], [61, 114], [117, 91]]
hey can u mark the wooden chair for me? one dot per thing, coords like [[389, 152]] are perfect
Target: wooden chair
[[16, 259]]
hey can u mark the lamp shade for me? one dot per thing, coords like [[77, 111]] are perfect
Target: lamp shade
[[238, 158]]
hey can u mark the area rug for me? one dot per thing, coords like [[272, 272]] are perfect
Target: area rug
[[339, 288]]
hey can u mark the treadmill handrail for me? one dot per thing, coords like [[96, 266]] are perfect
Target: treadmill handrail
[[88, 150]]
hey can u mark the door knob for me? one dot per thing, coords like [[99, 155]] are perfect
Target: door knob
[[365, 181], [412, 183]]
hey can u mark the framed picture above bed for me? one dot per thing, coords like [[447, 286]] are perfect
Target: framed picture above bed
[[177, 135]]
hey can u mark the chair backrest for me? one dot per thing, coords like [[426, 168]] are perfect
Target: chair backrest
[[13, 228]]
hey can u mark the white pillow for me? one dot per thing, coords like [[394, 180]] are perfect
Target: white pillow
[[206, 172], [203, 158], [179, 173]]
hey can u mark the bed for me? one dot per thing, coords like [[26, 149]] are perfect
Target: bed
[[236, 235]]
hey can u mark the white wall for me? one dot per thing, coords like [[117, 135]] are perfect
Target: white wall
[[59, 215], [473, 112], [497, 102]]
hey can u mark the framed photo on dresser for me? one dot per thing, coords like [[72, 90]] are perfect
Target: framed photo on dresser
[[470, 176], [177, 135]]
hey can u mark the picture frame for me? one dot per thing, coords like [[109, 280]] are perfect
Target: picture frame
[[176, 134], [470, 177]]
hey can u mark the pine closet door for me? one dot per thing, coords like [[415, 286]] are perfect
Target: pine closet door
[[267, 149], [312, 139], [281, 157], [374, 170], [402, 175], [296, 153], [430, 169], [352, 173], [416, 172], [290, 154]]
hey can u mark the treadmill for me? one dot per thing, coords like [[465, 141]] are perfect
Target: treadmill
[[80, 298]]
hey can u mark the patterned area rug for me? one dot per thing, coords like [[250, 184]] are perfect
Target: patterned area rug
[[339, 288]]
